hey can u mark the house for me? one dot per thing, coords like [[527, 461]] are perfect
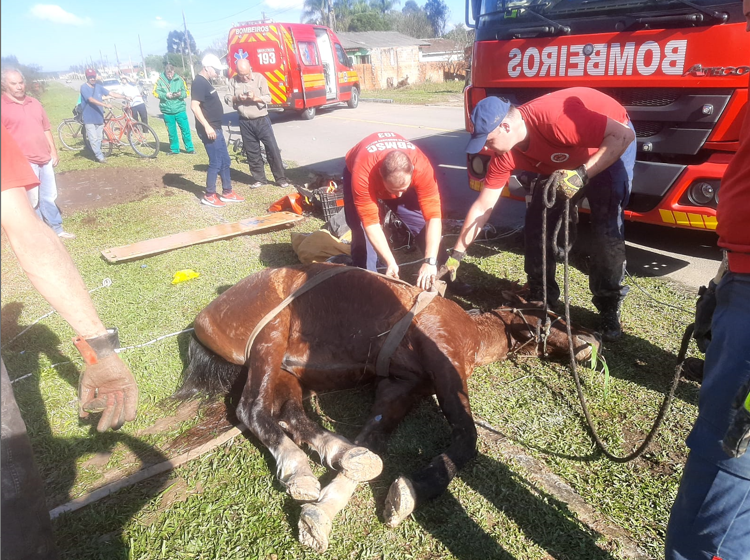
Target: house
[[441, 50], [383, 57]]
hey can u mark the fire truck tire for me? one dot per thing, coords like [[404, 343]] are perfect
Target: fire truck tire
[[354, 101], [307, 114]]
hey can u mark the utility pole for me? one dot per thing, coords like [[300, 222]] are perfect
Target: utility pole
[[143, 60], [101, 58], [187, 40], [117, 56]]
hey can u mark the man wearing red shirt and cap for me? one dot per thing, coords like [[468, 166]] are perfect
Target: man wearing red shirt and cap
[[580, 135], [710, 517], [387, 167]]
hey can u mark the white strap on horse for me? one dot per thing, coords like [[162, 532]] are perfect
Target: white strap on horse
[[394, 337]]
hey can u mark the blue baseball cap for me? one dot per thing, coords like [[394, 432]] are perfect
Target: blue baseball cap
[[486, 117]]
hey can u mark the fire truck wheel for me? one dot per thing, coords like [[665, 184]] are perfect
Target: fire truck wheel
[[354, 101], [307, 114]]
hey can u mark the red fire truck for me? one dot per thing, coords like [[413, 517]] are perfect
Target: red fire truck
[[680, 68], [305, 65]]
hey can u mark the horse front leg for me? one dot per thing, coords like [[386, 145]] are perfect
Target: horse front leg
[[406, 493], [316, 520], [255, 410]]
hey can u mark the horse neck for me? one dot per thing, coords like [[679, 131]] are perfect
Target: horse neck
[[494, 336]]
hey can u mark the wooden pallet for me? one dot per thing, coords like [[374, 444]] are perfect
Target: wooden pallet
[[260, 224]]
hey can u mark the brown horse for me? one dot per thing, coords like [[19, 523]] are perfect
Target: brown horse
[[329, 339]]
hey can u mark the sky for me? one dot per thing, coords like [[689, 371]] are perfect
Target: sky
[[57, 36]]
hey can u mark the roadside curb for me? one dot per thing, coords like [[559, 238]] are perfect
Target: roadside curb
[[373, 100]]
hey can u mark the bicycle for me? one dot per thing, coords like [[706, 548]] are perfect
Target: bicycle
[[72, 134]]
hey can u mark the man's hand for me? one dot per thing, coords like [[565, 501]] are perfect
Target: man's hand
[[109, 387], [453, 263], [55, 159], [211, 133], [427, 274], [392, 270], [570, 181]]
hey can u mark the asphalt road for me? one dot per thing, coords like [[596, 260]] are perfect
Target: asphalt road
[[689, 258]]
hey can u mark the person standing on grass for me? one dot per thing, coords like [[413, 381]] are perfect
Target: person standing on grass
[[710, 518], [93, 111], [26, 120], [137, 103], [171, 90], [106, 383], [209, 113], [249, 95]]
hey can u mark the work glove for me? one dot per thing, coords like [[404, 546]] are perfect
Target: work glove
[[570, 181], [106, 384], [453, 262]]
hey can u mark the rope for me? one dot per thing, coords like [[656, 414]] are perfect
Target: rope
[[548, 202]]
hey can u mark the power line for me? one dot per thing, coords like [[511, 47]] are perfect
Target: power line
[[233, 15]]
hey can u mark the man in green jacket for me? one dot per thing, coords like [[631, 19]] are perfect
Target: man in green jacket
[[172, 91]]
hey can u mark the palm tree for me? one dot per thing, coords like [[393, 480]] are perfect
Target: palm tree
[[315, 11]]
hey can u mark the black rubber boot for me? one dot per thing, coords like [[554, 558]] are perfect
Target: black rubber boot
[[610, 324]]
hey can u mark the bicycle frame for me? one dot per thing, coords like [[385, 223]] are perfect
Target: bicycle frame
[[125, 120]]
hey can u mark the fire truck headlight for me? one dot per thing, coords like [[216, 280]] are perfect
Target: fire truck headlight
[[477, 166], [701, 194]]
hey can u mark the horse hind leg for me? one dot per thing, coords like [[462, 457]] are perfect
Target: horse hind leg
[[335, 451], [255, 411], [316, 519]]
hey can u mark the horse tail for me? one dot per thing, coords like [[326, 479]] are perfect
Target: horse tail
[[207, 373]]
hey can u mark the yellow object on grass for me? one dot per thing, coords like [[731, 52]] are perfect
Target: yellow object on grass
[[184, 275]]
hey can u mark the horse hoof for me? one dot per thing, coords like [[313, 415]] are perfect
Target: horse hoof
[[314, 528], [400, 502], [360, 464], [304, 488]]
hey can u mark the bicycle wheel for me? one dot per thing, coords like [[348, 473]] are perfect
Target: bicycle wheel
[[143, 140], [107, 143], [72, 135]]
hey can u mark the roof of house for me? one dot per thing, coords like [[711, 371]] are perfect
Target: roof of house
[[377, 40], [440, 46]]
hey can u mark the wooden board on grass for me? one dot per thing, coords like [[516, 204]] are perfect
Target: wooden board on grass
[[259, 224]]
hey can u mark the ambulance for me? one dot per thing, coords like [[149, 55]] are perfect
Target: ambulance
[[305, 64]]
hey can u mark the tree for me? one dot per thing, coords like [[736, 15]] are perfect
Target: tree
[[411, 7], [461, 35], [320, 12], [368, 21], [437, 12], [176, 42], [413, 24], [384, 6]]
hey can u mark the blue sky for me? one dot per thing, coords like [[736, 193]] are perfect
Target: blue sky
[[56, 36]]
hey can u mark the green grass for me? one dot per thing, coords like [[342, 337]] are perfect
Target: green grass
[[227, 504], [428, 93]]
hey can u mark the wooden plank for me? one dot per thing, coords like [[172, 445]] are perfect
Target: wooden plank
[[158, 245]]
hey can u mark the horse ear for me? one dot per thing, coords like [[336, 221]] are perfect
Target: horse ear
[[512, 298]]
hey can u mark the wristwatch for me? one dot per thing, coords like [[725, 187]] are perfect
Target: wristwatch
[[432, 261]]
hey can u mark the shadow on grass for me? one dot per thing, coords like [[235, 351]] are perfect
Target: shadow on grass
[[57, 458], [178, 181]]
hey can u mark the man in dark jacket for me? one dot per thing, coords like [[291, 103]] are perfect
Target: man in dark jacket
[[172, 91]]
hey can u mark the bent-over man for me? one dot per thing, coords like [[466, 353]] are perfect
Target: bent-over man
[[387, 167], [582, 136]]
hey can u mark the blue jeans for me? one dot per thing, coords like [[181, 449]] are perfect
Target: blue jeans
[[406, 207], [26, 526], [94, 137], [46, 208], [219, 163], [711, 514], [608, 193]]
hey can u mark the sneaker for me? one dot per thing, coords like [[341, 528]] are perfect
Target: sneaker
[[231, 196], [256, 185], [103, 160], [212, 200], [66, 235], [191, 153], [610, 325], [283, 183], [173, 153]]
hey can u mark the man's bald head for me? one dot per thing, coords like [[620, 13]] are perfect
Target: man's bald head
[[243, 66], [13, 83], [396, 171]]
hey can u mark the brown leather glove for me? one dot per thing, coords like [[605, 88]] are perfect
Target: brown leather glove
[[106, 384]]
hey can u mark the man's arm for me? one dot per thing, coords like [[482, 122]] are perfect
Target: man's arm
[[433, 234], [377, 237], [477, 216], [52, 148], [196, 107], [265, 93], [617, 138]]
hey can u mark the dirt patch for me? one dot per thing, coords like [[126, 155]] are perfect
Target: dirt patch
[[106, 186]]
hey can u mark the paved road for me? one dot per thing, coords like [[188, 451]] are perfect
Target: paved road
[[687, 257]]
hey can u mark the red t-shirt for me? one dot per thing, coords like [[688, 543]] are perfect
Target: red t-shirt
[[363, 162], [733, 211], [26, 123], [565, 129], [15, 170]]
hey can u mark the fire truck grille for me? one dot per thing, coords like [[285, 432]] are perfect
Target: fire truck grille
[[629, 97], [644, 129]]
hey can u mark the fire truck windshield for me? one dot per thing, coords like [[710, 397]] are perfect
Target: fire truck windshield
[[525, 10]]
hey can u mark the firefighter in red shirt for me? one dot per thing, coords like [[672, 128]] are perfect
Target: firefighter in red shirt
[[387, 167], [581, 135], [711, 515]]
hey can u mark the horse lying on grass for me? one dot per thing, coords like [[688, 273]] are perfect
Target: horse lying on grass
[[329, 339]]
